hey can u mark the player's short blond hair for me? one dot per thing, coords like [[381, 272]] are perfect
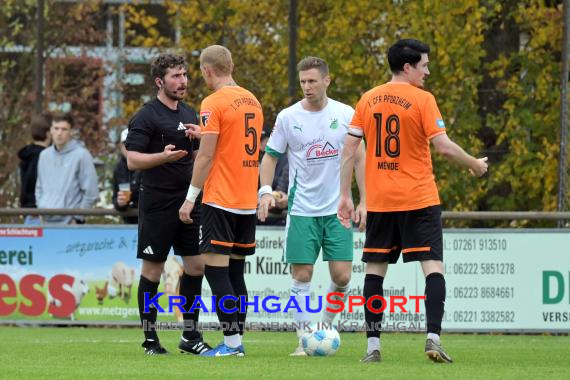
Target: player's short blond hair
[[309, 63], [219, 58]]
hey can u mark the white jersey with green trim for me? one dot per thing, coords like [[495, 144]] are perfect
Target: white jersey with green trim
[[313, 142]]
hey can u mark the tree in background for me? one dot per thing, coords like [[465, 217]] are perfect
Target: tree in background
[[495, 71], [76, 81]]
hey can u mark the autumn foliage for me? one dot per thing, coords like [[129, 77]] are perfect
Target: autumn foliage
[[495, 71]]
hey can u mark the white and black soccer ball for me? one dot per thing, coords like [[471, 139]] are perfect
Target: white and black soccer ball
[[320, 342]]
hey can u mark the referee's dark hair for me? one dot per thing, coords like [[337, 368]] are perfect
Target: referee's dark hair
[[163, 62], [406, 51]]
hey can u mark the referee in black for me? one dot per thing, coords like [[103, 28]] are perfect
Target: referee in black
[[160, 143]]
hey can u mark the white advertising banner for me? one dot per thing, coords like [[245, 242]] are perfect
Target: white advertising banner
[[496, 280]]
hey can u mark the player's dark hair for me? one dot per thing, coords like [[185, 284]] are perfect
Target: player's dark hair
[[308, 63], [62, 116], [406, 51], [39, 126], [163, 62]]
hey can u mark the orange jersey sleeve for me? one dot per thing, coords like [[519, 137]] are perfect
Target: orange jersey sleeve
[[235, 115], [398, 120]]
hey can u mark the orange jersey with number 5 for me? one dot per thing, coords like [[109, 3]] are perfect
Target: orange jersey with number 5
[[398, 121], [235, 115]]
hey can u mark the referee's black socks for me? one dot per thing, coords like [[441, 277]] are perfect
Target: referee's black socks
[[373, 286], [190, 287], [147, 286], [435, 302], [237, 279], [219, 280]]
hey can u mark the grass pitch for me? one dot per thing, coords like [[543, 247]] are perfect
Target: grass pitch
[[115, 353]]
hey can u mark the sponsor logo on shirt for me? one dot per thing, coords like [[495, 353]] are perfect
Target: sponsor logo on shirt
[[205, 116], [440, 123], [318, 152], [300, 128], [181, 127]]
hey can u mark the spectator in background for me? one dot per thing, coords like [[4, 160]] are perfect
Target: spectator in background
[[66, 173], [29, 156], [280, 184], [126, 184]]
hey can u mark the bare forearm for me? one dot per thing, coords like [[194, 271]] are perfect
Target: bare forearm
[[142, 161], [359, 171], [267, 170], [201, 170], [346, 175], [351, 145], [453, 152], [456, 154]]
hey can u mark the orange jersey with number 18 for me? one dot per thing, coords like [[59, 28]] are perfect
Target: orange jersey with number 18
[[398, 121], [235, 115]]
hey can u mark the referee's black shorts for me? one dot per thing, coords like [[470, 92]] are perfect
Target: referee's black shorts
[[160, 227], [417, 234]]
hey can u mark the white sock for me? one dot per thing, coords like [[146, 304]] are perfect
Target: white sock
[[300, 333], [373, 344], [433, 337], [232, 341], [327, 316], [301, 290]]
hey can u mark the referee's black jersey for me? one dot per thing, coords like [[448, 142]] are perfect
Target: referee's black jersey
[[152, 128]]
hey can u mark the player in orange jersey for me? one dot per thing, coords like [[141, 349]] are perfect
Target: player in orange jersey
[[399, 120], [227, 167]]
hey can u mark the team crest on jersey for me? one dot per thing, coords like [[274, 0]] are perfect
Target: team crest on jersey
[[334, 124], [204, 117], [318, 152], [440, 123]]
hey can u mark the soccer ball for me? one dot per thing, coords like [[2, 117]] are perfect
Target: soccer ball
[[320, 342]]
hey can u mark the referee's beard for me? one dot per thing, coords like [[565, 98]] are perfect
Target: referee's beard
[[174, 95]]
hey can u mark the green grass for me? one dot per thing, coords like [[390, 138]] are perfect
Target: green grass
[[100, 353]]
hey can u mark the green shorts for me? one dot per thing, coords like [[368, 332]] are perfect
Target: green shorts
[[306, 235]]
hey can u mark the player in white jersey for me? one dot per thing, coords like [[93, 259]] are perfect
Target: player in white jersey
[[311, 133]]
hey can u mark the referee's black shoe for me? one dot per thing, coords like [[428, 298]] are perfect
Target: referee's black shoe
[[194, 346], [152, 347]]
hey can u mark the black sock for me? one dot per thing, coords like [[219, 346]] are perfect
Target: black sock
[[147, 286], [240, 288], [190, 287], [435, 302], [373, 286], [219, 280]]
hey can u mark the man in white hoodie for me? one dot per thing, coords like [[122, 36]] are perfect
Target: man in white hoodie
[[66, 173]]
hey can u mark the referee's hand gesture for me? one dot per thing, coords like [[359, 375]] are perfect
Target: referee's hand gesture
[[171, 155]]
